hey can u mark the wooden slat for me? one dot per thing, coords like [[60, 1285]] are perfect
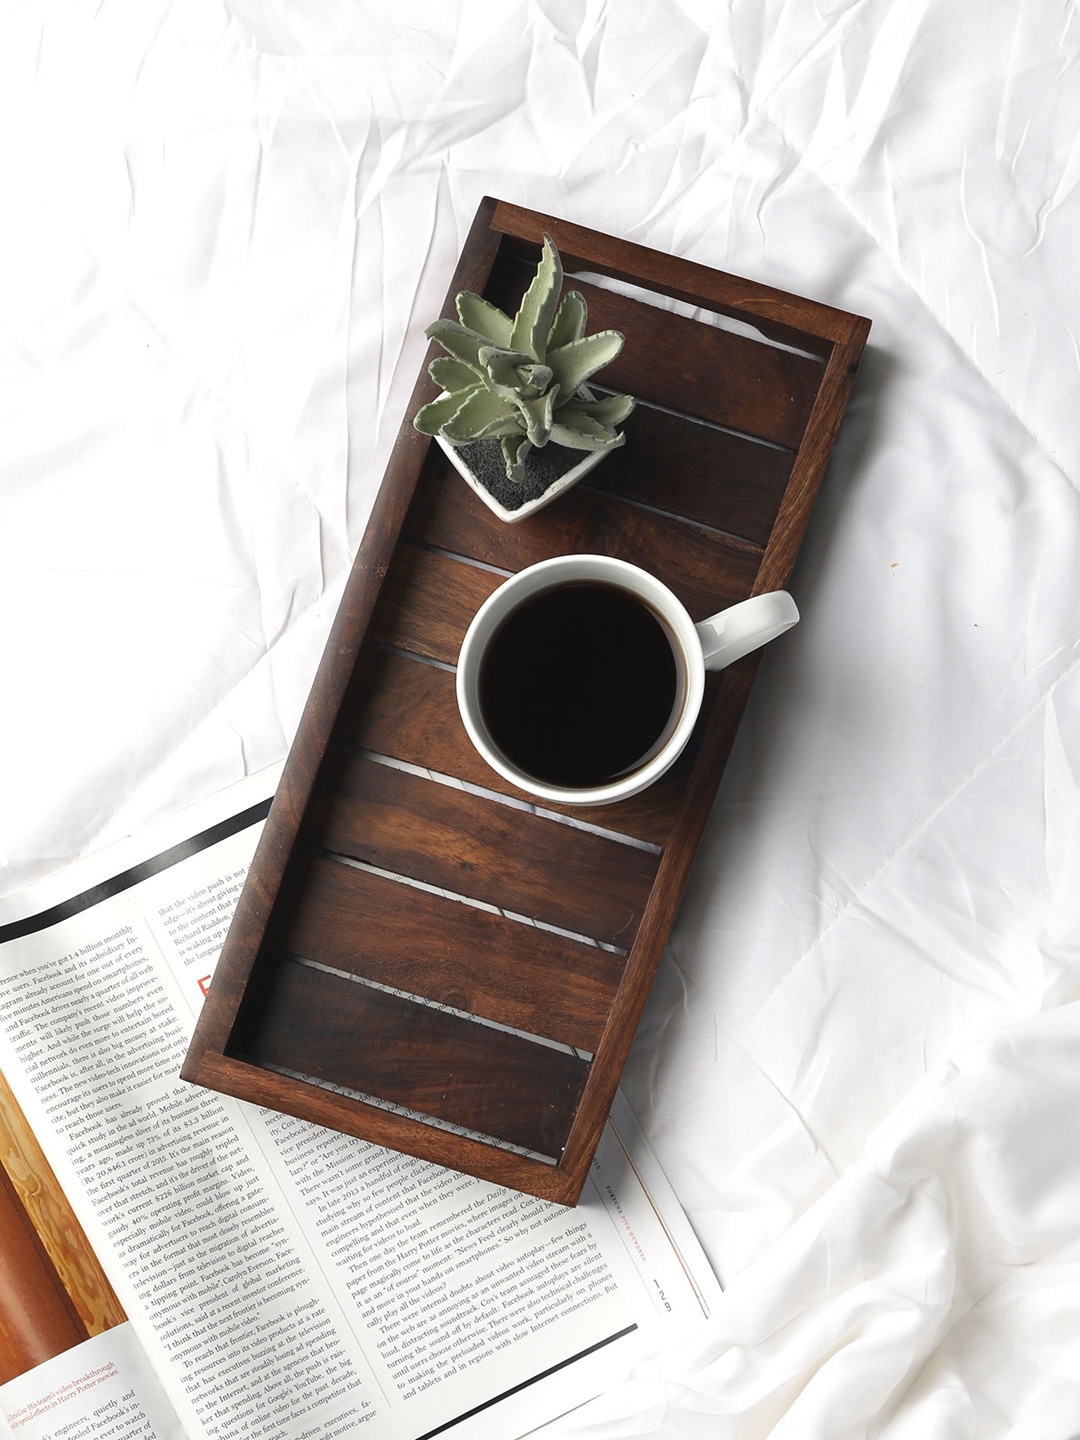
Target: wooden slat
[[705, 569], [697, 471], [702, 370], [488, 851], [445, 951], [429, 599], [407, 710], [467, 1074]]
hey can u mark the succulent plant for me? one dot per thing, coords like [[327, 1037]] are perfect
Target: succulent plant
[[522, 380]]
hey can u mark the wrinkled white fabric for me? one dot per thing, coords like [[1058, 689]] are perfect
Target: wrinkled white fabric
[[226, 225]]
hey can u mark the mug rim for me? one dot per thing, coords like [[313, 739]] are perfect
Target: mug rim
[[547, 575]]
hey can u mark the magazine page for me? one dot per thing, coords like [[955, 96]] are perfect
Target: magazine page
[[285, 1280]]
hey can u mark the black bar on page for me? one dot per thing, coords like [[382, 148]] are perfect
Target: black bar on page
[[116, 883], [532, 1380]]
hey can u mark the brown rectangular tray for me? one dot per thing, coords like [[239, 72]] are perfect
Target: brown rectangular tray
[[504, 956]]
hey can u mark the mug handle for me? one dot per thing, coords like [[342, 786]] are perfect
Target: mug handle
[[734, 632]]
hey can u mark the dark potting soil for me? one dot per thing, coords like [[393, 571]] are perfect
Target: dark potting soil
[[543, 467]]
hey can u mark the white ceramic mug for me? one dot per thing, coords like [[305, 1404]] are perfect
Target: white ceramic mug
[[709, 645]]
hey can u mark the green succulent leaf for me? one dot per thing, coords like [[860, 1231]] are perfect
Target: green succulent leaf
[[584, 433], [570, 320], [537, 415], [482, 416], [453, 374], [610, 410], [462, 343], [478, 314], [510, 372], [515, 448], [433, 418], [574, 363], [536, 313]]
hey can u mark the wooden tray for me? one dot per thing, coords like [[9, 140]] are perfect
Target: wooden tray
[[490, 1035]]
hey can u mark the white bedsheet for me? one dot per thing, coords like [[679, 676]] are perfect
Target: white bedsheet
[[225, 224]]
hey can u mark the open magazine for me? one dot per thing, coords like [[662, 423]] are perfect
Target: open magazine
[[175, 1263]]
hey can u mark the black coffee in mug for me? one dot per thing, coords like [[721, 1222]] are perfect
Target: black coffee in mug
[[578, 684]]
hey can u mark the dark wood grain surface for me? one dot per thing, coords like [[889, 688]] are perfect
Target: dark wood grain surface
[[706, 568], [473, 846], [458, 955], [380, 1044], [413, 929]]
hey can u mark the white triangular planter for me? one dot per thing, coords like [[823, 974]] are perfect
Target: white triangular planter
[[590, 458]]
